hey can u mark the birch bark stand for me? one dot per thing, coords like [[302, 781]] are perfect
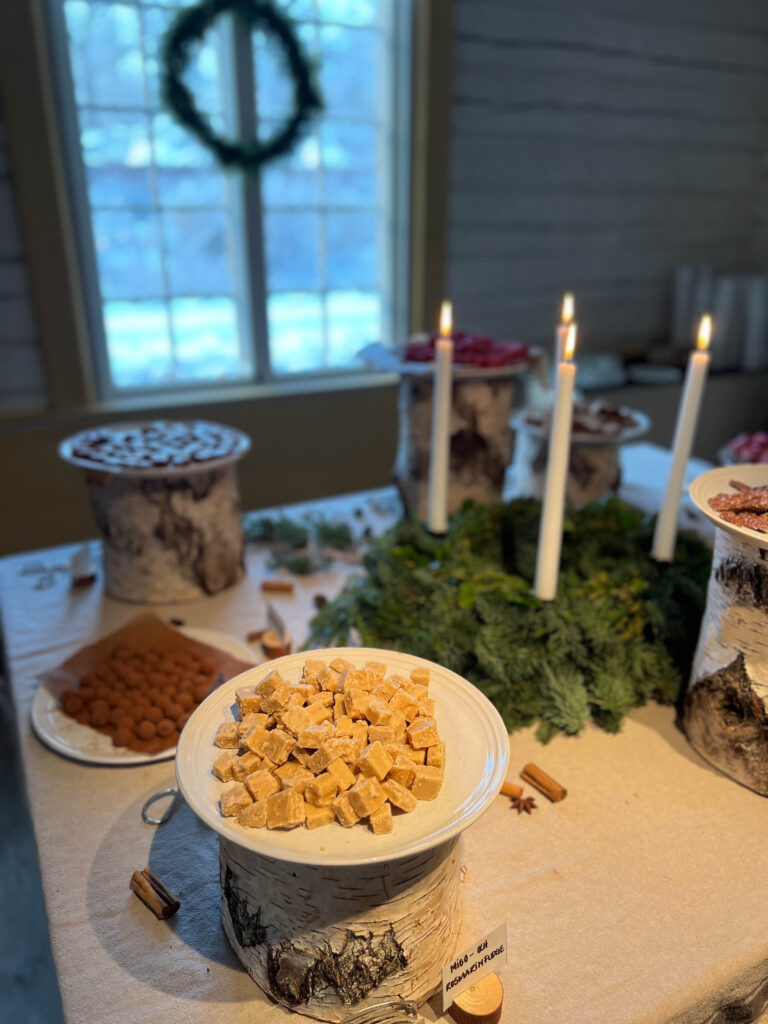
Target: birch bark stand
[[726, 707], [325, 940]]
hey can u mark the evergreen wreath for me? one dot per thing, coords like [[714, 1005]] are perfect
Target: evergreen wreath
[[187, 31]]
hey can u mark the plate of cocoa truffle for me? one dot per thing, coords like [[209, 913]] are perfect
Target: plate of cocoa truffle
[[124, 699]]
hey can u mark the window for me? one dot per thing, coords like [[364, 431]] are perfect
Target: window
[[199, 275]]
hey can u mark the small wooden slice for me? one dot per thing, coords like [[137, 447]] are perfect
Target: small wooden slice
[[479, 1004]]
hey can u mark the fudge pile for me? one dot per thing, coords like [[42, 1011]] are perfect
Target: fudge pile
[[342, 745]]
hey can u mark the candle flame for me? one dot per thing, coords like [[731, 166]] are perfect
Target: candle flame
[[705, 333], [568, 309], [446, 319], [570, 342]]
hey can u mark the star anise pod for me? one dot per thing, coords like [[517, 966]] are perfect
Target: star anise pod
[[524, 803]]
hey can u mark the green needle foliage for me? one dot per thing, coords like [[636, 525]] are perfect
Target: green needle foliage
[[622, 629]]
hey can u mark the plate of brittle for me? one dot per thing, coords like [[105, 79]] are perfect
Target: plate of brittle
[[342, 756], [735, 498]]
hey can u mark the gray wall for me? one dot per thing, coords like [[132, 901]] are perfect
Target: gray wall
[[596, 145]]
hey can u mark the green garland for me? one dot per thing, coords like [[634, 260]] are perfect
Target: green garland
[[622, 629], [187, 31]]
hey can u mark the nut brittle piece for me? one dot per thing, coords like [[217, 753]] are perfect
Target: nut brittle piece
[[285, 809]]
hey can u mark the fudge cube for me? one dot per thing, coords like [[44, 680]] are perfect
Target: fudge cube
[[339, 709], [285, 809], [436, 756], [321, 791], [245, 765], [320, 760], [341, 665], [382, 734], [226, 736], [295, 720], [403, 771], [261, 784], [277, 700], [400, 682], [381, 820], [427, 782], [301, 690], [234, 799], [295, 700], [248, 700], [417, 756], [316, 817], [319, 713], [422, 732], [366, 796], [360, 737], [223, 767], [378, 713], [344, 811], [420, 676], [278, 746], [342, 773], [426, 708], [356, 679], [418, 692], [374, 761], [251, 720], [285, 773], [270, 683], [329, 680], [323, 697], [384, 689], [377, 669], [341, 747], [401, 700], [344, 725], [398, 795], [255, 740], [315, 735], [312, 666], [255, 815], [356, 703]]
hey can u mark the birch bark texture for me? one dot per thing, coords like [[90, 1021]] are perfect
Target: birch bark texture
[[725, 715], [326, 940]]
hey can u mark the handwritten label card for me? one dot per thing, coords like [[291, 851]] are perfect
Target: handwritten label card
[[479, 959]]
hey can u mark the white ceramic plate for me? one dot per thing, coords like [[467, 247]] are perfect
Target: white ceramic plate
[[717, 481], [66, 736], [476, 761], [642, 425]]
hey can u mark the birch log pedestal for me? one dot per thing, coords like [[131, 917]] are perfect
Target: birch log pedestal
[[330, 920], [726, 707]]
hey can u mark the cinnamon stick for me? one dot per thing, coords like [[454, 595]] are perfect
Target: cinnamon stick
[[154, 894], [535, 777], [276, 587]]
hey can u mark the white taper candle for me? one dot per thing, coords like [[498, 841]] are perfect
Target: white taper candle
[[561, 331], [665, 533], [553, 506], [440, 447]]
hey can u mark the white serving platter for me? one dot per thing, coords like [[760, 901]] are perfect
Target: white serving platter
[[717, 481], [63, 734], [476, 762]]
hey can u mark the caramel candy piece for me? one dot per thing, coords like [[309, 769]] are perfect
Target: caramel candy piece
[[339, 709], [301, 755], [226, 736], [321, 791], [341, 665], [360, 737], [356, 679], [341, 747], [312, 666], [234, 799], [255, 815], [222, 767], [277, 700], [262, 784], [302, 690], [382, 734], [381, 820], [356, 703], [292, 775], [270, 683], [420, 676], [322, 697], [378, 713], [255, 740], [316, 817], [374, 761], [319, 713], [377, 669], [296, 720], [278, 746], [315, 735], [403, 771], [319, 761], [422, 733], [418, 692], [328, 680], [344, 725], [436, 756], [285, 809], [366, 796], [384, 690], [252, 720], [427, 782], [426, 708], [245, 765], [341, 772], [248, 700], [344, 811], [401, 700], [417, 756], [399, 795]]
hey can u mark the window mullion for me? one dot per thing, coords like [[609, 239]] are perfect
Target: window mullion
[[250, 228]]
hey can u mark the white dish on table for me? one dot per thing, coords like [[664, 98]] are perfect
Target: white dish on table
[[66, 736], [476, 761], [717, 481]]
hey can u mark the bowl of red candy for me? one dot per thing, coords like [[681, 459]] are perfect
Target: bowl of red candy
[[745, 448], [468, 349]]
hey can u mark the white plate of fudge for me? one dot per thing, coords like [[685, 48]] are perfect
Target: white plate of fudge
[[342, 756]]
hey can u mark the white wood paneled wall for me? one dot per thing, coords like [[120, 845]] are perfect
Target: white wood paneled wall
[[596, 145], [22, 375]]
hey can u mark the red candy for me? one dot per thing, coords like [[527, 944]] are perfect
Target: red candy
[[469, 350]]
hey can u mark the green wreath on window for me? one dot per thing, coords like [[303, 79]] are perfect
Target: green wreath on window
[[187, 31]]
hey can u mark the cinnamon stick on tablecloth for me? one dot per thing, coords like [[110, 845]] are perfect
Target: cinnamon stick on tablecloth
[[154, 894], [534, 776]]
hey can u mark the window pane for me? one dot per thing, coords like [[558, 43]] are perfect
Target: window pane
[[128, 253], [155, 22], [118, 155], [295, 332], [350, 160], [186, 172], [138, 365], [348, 12], [293, 180], [291, 243], [346, 91], [274, 85], [197, 253], [207, 340], [108, 68], [351, 242], [299, 9], [354, 320]]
